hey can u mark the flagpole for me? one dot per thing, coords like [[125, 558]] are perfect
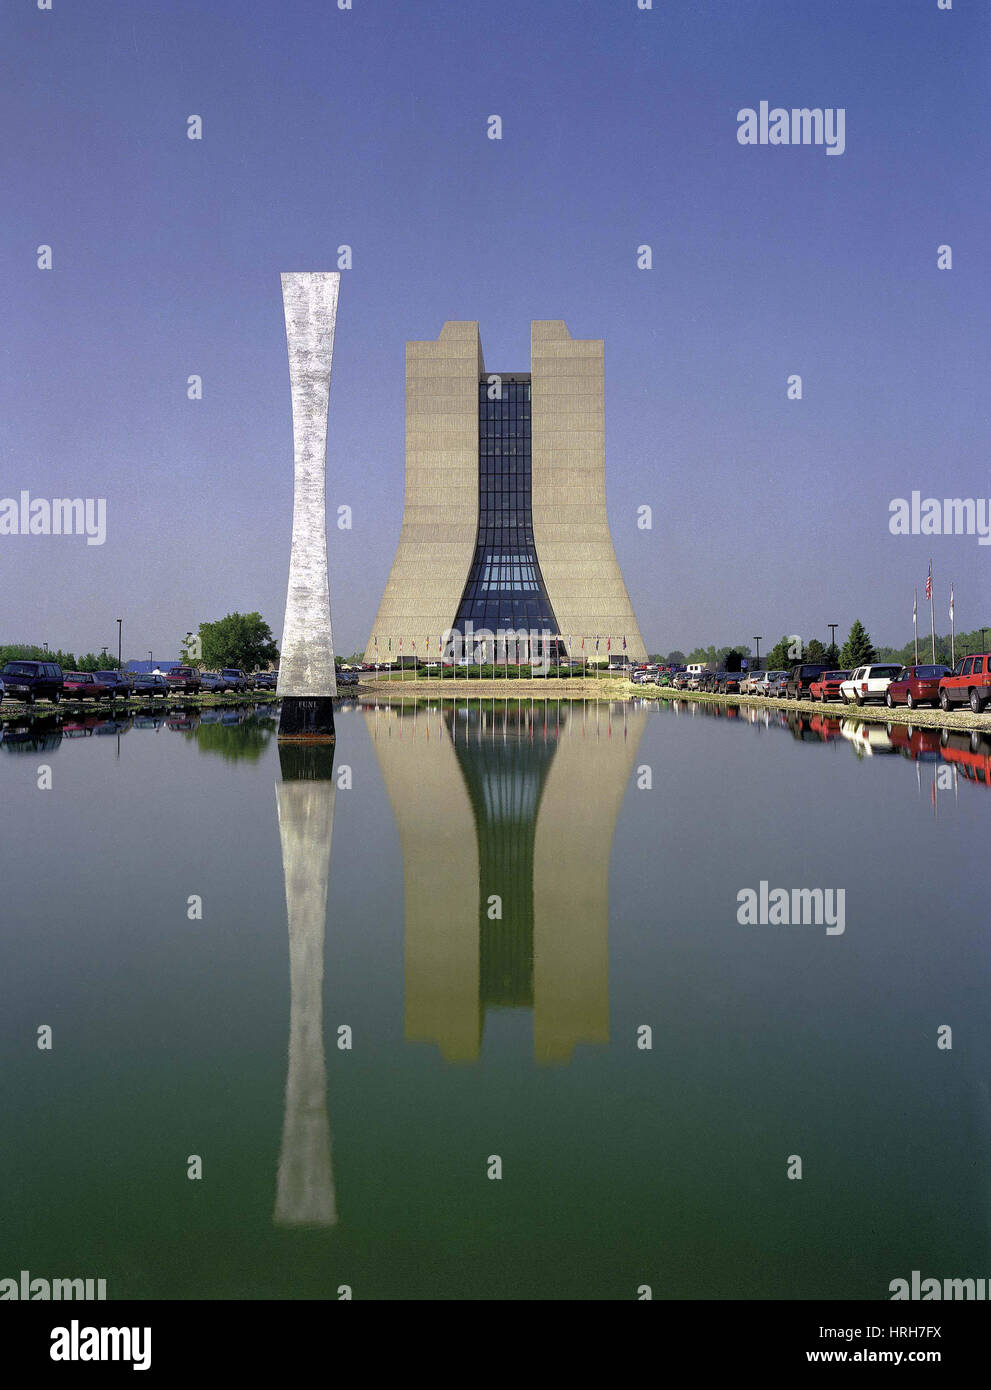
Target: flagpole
[[932, 612], [953, 655], [915, 623]]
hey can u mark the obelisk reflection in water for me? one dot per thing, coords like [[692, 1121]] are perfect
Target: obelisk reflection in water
[[305, 1185]]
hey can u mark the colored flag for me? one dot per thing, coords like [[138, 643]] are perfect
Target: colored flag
[[929, 581], [608, 644], [951, 603], [624, 642], [915, 605]]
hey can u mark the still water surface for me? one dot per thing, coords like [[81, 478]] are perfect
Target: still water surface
[[375, 907]]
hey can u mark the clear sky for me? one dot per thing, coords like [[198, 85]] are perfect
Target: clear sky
[[368, 127]]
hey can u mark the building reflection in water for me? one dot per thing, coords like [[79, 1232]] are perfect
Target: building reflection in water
[[305, 1184], [514, 800]]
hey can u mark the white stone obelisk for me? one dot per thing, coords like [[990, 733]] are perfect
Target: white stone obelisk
[[307, 680]]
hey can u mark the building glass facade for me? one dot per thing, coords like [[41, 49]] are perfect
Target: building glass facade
[[505, 589]]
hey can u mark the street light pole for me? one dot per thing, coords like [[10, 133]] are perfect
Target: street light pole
[[757, 640], [832, 634], [120, 632]]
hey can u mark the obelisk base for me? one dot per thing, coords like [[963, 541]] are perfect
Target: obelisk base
[[307, 719]]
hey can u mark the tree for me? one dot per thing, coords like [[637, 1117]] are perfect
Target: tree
[[815, 652], [734, 660], [243, 640], [676, 658], [858, 648], [782, 655]]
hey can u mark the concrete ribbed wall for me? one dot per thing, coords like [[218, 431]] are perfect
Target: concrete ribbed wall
[[440, 513], [570, 522]]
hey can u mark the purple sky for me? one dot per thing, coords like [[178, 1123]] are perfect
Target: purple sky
[[368, 127]]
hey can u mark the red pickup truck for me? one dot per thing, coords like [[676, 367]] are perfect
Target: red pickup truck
[[969, 683], [185, 679]]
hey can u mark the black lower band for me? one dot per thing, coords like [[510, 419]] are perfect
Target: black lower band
[[307, 718]]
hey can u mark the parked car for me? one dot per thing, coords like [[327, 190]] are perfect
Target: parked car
[[729, 682], [827, 686], [766, 682], [183, 680], [32, 680], [264, 680], [915, 685], [2, 691], [969, 683], [750, 685], [115, 683], [800, 679], [82, 685], [150, 684], [234, 678], [213, 682], [868, 683]]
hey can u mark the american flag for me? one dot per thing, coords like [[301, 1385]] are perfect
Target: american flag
[[929, 581]]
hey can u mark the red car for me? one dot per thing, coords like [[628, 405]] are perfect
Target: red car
[[82, 685], [916, 685], [827, 686], [969, 683]]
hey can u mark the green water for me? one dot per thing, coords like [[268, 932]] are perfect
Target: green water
[[495, 904]]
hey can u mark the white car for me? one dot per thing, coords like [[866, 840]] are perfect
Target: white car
[[868, 683], [760, 681]]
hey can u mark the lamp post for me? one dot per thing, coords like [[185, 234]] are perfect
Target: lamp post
[[757, 667], [832, 635], [150, 663], [983, 631], [120, 633], [46, 647]]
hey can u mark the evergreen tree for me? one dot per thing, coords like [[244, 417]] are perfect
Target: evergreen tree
[[858, 648], [815, 652]]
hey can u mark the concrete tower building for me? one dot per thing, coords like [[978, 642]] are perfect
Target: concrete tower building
[[504, 523]]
